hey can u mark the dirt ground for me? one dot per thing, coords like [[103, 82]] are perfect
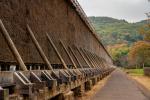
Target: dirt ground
[[89, 94], [143, 80]]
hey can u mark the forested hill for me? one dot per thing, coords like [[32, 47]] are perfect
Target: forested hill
[[114, 31]]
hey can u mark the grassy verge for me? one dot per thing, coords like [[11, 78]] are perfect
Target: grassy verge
[[137, 72]]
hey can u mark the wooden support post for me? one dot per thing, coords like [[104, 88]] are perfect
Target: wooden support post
[[88, 58], [97, 60], [68, 54], [63, 45], [88, 85], [12, 46], [4, 94], [75, 57], [104, 62], [41, 52], [83, 57], [94, 60], [100, 63], [57, 52]]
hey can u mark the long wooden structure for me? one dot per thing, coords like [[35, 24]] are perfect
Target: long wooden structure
[[49, 51]]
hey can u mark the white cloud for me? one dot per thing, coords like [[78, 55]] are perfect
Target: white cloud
[[131, 10]]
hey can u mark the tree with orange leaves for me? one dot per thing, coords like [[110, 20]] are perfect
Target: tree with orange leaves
[[140, 54]]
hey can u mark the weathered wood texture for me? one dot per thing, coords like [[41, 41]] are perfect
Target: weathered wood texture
[[56, 17]]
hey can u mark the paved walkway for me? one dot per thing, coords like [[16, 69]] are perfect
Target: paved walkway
[[119, 87]]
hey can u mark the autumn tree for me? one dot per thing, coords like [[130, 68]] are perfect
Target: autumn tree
[[119, 53], [140, 54]]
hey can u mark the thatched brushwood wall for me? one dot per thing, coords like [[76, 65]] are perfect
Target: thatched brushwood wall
[[57, 17]]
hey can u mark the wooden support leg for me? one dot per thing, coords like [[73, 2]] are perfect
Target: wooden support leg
[[4, 94], [79, 91], [12, 46], [57, 52], [40, 50], [88, 85]]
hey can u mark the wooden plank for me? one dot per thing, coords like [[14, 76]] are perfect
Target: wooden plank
[[12, 46], [56, 51], [38, 47]]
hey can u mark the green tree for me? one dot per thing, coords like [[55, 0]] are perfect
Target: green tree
[[119, 53], [145, 31]]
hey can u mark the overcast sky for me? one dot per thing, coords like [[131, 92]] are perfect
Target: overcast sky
[[130, 10]]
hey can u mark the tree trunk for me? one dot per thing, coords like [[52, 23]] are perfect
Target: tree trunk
[[143, 65], [136, 66]]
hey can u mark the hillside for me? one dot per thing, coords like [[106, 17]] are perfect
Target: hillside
[[114, 31]]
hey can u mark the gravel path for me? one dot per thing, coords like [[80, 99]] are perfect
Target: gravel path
[[119, 87]]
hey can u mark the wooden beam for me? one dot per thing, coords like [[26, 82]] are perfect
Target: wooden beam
[[75, 57], [94, 59], [91, 57], [56, 51], [38, 47], [71, 59], [83, 57], [12, 46], [99, 60], [63, 45], [88, 58]]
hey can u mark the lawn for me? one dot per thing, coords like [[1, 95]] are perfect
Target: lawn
[[134, 71]]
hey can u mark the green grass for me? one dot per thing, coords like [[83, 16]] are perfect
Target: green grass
[[134, 71]]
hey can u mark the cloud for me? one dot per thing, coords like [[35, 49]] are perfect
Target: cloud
[[130, 10]]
